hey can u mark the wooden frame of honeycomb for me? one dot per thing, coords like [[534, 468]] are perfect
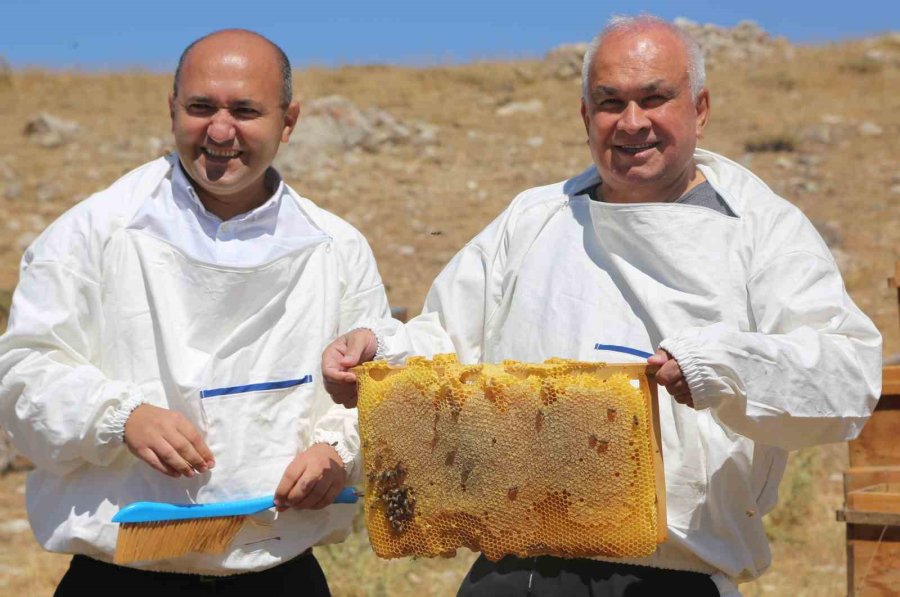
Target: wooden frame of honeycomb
[[560, 458]]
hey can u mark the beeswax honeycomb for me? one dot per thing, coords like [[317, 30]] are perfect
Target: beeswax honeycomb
[[527, 459]]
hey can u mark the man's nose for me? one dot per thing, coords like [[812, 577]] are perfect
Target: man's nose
[[221, 127], [633, 119]]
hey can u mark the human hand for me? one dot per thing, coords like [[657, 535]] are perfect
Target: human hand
[[668, 374], [167, 441], [355, 347], [312, 480]]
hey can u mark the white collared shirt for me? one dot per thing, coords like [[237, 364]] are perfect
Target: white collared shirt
[[260, 235]]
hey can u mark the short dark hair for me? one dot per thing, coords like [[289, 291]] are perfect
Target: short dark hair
[[287, 92]]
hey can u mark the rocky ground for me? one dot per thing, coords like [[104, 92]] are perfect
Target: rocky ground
[[420, 159]]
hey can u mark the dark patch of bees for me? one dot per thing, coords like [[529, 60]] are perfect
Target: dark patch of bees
[[399, 499], [400, 507]]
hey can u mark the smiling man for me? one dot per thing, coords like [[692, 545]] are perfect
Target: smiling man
[[164, 345], [672, 250]]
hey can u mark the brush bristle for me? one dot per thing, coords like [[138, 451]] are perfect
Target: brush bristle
[[147, 541]]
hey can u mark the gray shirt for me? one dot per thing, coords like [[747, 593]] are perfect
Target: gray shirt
[[703, 195]]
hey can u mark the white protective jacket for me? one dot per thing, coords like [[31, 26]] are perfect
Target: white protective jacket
[[753, 307], [112, 311]]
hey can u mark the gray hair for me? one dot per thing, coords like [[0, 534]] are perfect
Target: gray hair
[[696, 66], [287, 91]]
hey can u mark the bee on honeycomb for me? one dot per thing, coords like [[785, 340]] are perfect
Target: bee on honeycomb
[[557, 458]]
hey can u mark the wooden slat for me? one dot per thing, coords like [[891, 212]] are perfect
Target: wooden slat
[[877, 444], [649, 388], [855, 517], [873, 554], [890, 381], [857, 478], [883, 497]]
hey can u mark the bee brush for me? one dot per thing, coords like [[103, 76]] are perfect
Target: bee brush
[[156, 530]]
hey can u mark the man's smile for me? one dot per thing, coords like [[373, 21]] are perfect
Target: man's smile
[[221, 153], [635, 148]]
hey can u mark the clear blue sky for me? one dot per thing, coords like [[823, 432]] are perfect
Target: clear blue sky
[[90, 34]]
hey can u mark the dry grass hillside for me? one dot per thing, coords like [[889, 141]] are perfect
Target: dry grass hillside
[[820, 124]]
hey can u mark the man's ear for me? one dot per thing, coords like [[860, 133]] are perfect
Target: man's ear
[[702, 106], [585, 117], [172, 109], [291, 116]]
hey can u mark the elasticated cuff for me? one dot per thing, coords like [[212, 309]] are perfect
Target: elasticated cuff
[[335, 440], [114, 426], [699, 377], [372, 326]]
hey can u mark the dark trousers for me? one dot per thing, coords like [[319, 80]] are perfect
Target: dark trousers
[[300, 577], [548, 576]]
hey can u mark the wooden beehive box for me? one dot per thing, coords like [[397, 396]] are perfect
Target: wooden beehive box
[[872, 499]]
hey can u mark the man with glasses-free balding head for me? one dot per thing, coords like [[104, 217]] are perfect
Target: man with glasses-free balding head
[[164, 345], [672, 250]]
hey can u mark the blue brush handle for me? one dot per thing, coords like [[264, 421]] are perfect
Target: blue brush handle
[[158, 511], [623, 349]]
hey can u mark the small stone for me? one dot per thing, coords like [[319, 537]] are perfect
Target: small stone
[[13, 527], [406, 250], [870, 129], [47, 191], [831, 119], [528, 107], [50, 131], [784, 162], [13, 190], [821, 133], [895, 189], [472, 185], [535, 141]]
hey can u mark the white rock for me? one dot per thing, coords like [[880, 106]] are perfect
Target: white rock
[[527, 107], [564, 62], [15, 526], [535, 141], [406, 250], [50, 131], [870, 129]]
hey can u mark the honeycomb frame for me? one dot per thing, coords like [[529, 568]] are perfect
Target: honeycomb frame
[[495, 458]]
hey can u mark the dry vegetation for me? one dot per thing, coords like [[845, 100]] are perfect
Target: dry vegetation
[[799, 124]]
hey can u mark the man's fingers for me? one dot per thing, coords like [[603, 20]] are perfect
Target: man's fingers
[[186, 450], [669, 373], [678, 388], [329, 491], [360, 348], [291, 474], [190, 432], [149, 456], [169, 456], [308, 492], [204, 458], [333, 353], [329, 497], [658, 359]]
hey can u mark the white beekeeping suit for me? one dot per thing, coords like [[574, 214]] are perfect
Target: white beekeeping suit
[[751, 305], [131, 297]]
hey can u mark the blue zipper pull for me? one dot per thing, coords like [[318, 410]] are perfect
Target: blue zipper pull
[[623, 349]]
